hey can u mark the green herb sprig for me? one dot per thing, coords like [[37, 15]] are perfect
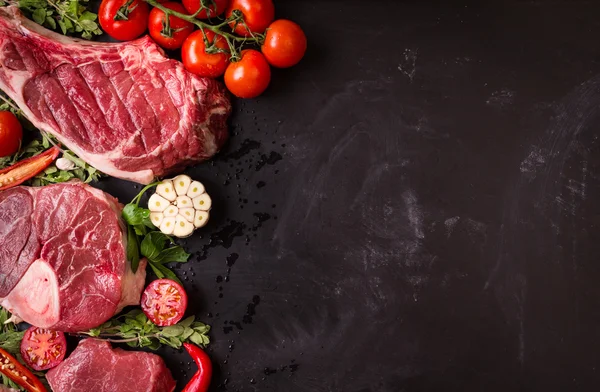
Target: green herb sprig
[[70, 16], [136, 330], [144, 240]]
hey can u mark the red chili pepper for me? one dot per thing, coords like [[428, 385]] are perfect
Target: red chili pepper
[[201, 380], [27, 168], [12, 369]]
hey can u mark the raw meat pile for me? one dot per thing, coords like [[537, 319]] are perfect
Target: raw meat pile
[[63, 261], [124, 108], [95, 366]]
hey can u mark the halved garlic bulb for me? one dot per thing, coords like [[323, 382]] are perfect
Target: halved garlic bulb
[[179, 206]]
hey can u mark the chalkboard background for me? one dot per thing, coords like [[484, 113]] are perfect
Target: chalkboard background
[[412, 208]]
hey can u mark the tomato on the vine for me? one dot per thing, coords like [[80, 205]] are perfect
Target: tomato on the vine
[[285, 44], [11, 133], [124, 19], [173, 35], [197, 60], [164, 302], [210, 8], [250, 76], [43, 349], [258, 15]]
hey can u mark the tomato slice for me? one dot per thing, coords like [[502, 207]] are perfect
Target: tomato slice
[[27, 168], [43, 349], [164, 302], [12, 369]]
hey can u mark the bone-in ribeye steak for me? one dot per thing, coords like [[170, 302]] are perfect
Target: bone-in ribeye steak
[[63, 262], [124, 108], [96, 367]]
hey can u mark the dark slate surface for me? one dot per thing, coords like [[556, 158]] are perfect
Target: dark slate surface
[[413, 208]]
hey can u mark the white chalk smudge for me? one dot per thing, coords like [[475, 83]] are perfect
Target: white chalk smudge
[[450, 223], [408, 66], [415, 215], [535, 161], [501, 98], [578, 188]]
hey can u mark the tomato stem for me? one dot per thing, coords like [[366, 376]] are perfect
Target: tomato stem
[[237, 17], [124, 11]]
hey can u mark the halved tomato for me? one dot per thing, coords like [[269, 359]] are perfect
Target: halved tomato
[[164, 302], [43, 349]]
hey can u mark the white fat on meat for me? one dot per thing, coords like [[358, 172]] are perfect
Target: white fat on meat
[[36, 296]]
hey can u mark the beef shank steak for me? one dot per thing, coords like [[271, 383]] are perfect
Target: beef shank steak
[[124, 108], [96, 366], [63, 262]]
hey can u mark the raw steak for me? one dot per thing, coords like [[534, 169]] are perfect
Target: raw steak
[[62, 256], [124, 108], [95, 366]]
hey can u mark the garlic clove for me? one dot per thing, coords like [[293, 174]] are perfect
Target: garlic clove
[[171, 211], [201, 218], [156, 218], [157, 203], [168, 225], [196, 189], [187, 213], [182, 184], [202, 202], [183, 228], [166, 190], [184, 202]]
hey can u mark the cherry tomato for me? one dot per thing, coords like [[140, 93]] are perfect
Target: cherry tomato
[[285, 44], [258, 15], [11, 134], [197, 61], [210, 8], [43, 349], [130, 24], [248, 77], [179, 28], [164, 302]]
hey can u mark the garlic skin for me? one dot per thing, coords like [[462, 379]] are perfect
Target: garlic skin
[[65, 164], [179, 206]]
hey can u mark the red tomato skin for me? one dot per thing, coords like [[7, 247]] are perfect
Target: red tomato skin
[[11, 134], [124, 30], [155, 26], [28, 342], [249, 77], [150, 298], [193, 5], [197, 61], [258, 15], [285, 44]]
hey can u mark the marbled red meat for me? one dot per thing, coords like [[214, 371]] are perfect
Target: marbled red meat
[[63, 261], [96, 366], [124, 108]]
